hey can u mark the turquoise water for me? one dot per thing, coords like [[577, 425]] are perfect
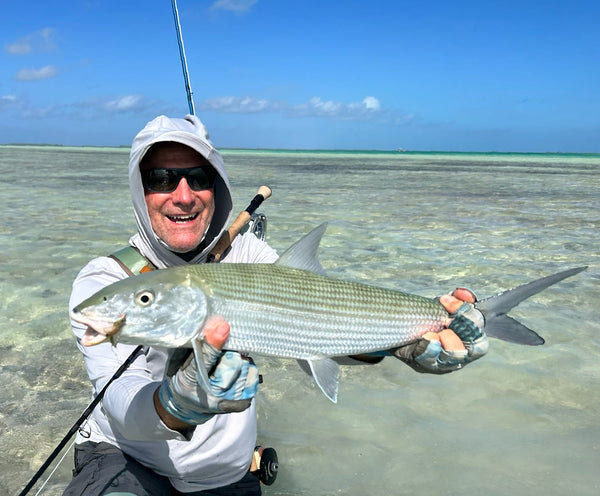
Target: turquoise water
[[521, 421]]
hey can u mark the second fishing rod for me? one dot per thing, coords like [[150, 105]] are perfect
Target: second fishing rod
[[241, 221]]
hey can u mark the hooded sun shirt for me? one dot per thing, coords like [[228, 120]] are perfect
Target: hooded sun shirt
[[219, 451], [191, 132]]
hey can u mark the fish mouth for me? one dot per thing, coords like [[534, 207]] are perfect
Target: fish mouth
[[97, 331], [92, 338]]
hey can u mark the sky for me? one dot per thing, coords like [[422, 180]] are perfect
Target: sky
[[432, 75]]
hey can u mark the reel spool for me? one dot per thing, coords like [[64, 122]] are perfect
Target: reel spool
[[266, 463]]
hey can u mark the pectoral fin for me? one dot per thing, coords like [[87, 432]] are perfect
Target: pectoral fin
[[326, 373]]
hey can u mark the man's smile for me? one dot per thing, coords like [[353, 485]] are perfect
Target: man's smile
[[180, 219]]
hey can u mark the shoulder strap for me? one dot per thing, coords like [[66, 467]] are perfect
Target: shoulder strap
[[132, 261]]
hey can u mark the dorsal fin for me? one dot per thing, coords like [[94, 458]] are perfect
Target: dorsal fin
[[303, 253]]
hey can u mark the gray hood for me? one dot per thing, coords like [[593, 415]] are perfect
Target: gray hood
[[191, 132]]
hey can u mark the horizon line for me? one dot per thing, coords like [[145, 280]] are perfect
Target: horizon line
[[399, 151]]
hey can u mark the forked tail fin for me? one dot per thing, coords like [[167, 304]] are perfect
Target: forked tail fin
[[494, 309]]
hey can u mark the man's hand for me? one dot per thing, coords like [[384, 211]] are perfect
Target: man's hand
[[451, 349], [182, 402]]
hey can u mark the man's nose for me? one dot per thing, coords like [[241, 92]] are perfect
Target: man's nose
[[183, 192]]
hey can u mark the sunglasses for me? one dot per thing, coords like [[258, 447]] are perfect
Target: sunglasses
[[167, 180]]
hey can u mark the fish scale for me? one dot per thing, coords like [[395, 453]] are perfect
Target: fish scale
[[281, 311]]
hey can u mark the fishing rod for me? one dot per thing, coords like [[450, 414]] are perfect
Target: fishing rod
[[238, 224], [224, 242], [86, 413], [186, 76]]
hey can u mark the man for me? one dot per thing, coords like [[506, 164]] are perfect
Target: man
[[158, 432]]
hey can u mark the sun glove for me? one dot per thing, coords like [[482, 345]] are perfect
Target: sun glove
[[427, 356], [233, 383]]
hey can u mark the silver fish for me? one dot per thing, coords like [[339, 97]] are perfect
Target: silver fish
[[288, 309]]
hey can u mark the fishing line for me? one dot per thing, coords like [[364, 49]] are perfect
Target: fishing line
[[55, 469]]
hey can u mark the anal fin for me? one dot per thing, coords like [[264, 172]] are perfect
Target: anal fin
[[326, 373]]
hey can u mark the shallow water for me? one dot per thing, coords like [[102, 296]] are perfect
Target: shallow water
[[521, 421]]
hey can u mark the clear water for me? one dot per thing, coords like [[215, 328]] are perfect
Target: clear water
[[521, 421]]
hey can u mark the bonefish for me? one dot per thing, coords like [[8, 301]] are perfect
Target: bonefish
[[288, 309]]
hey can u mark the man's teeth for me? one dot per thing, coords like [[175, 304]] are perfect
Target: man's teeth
[[182, 218]]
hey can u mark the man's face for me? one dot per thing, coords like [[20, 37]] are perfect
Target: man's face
[[180, 218]]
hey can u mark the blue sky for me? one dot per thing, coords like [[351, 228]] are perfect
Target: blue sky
[[519, 76]]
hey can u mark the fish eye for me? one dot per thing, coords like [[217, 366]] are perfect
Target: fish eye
[[144, 298]]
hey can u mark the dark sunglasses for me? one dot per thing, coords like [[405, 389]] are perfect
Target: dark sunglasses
[[167, 180]]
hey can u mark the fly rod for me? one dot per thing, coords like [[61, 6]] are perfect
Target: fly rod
[[86, 413], [238, 224], [186, 76], [242, 219]]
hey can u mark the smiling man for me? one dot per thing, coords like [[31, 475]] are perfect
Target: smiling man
[[158, 432]]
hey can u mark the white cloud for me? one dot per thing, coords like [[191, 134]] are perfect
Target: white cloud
[[368, 108], [22, 107], [45, 72], [315, 107], [239, 105], [42, 112], [19, 47], [91, 108], [8, 101], [38, 41], [238, 6], [371, 103], [125, 103]]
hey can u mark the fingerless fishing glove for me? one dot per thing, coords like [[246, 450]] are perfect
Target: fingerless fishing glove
[[429, 357], [233, 383]]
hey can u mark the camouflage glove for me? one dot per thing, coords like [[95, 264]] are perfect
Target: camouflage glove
[[427, 356], [233, 383]]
